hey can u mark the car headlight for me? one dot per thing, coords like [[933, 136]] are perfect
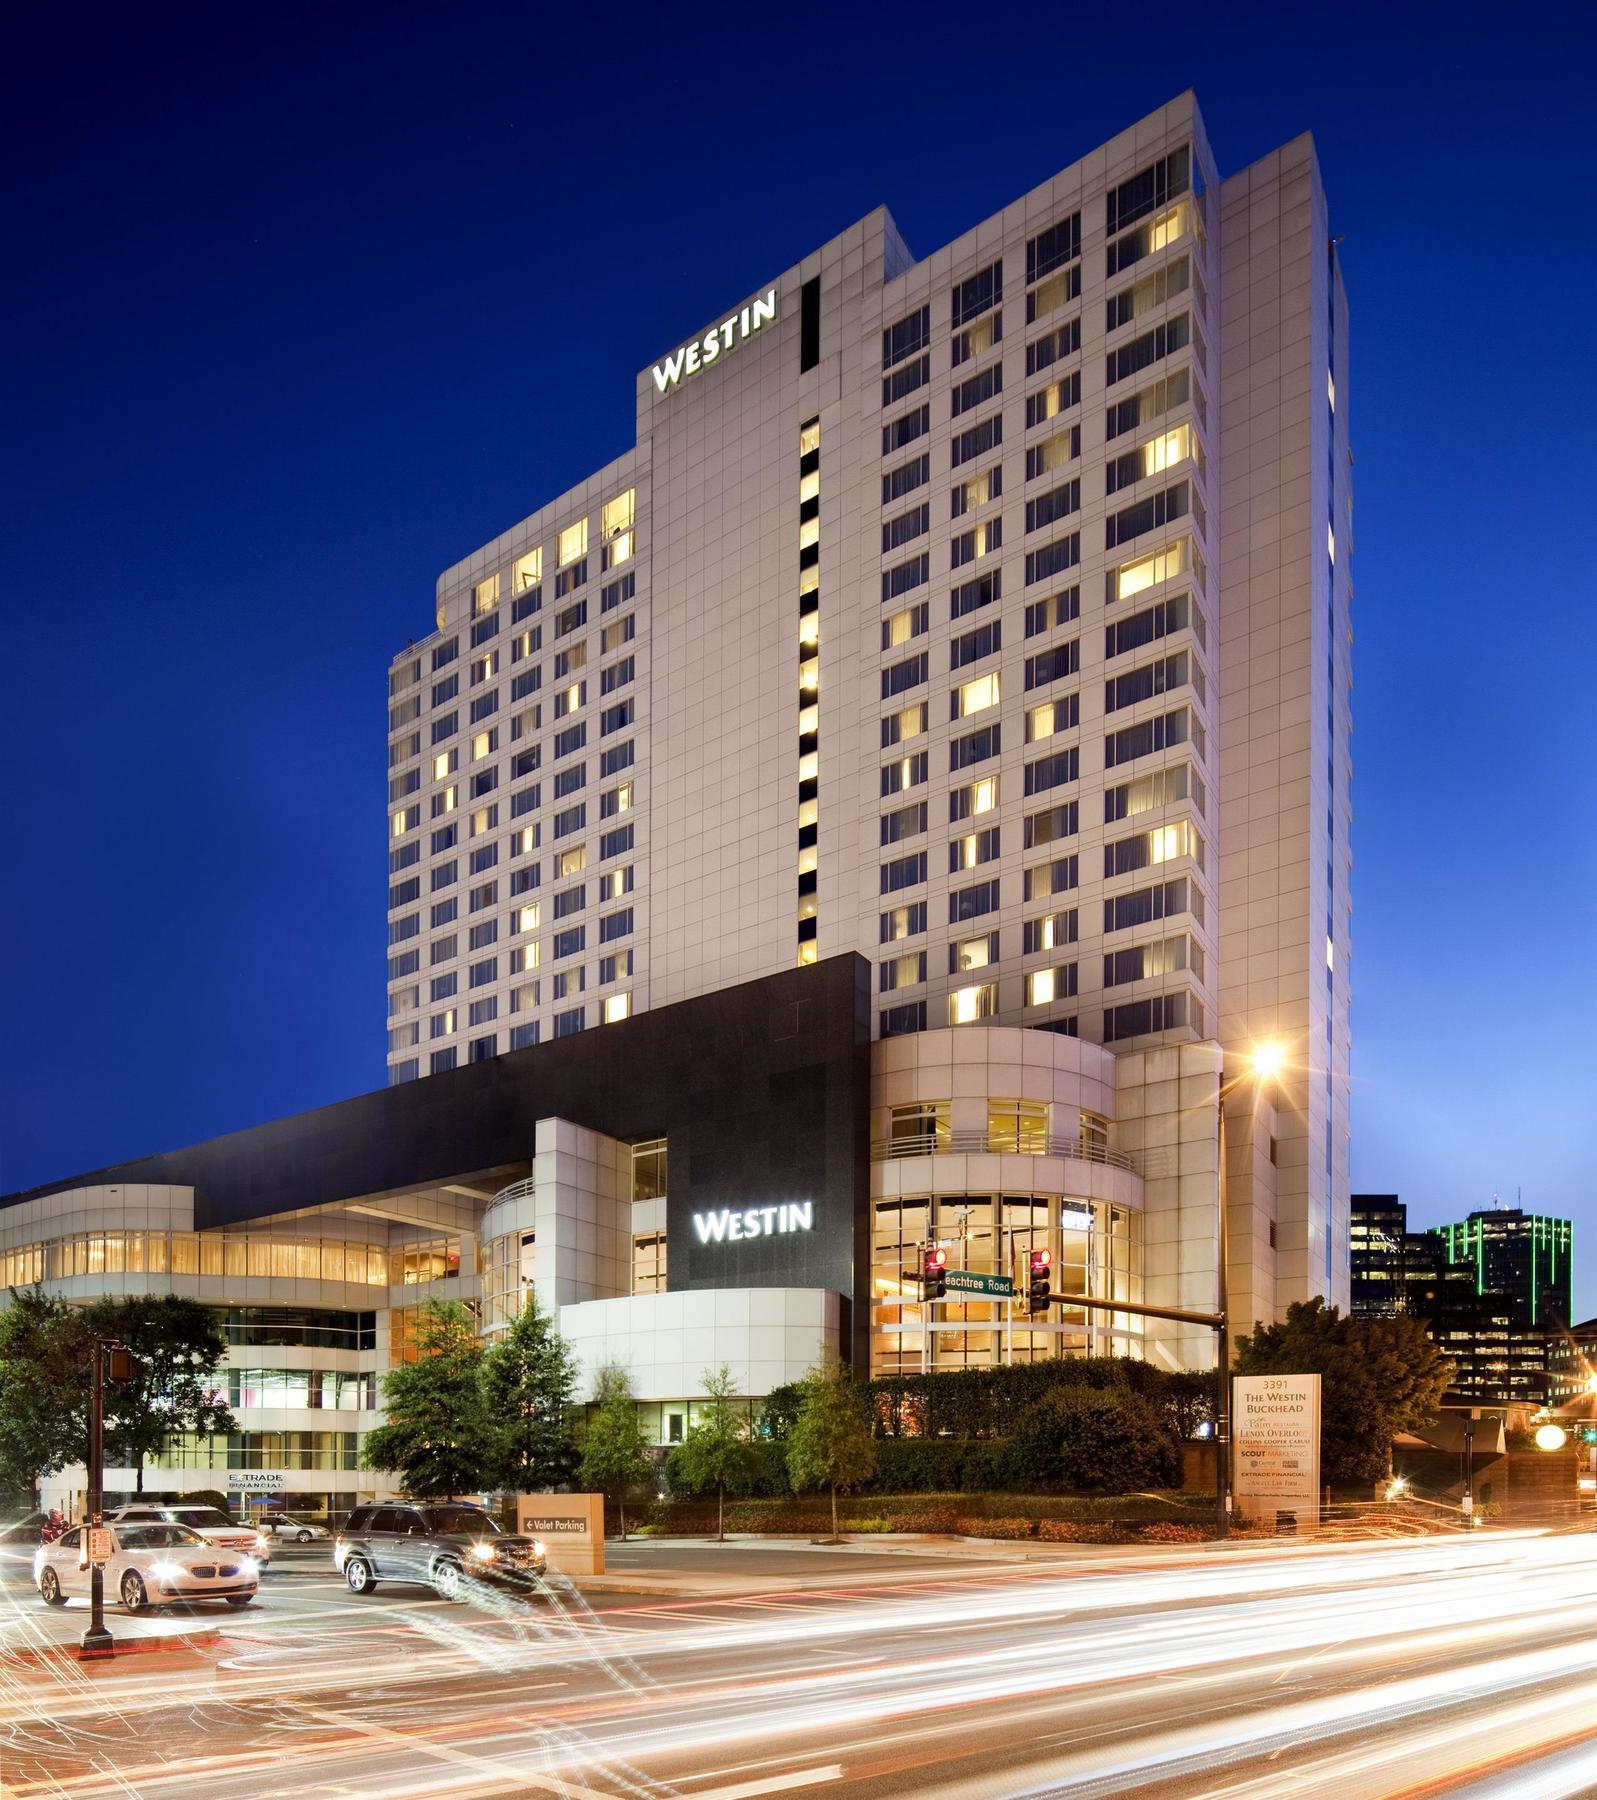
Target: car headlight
[[167, 1571], [537, 1547], [483, 1552], [260, 1542], [246, 1566]]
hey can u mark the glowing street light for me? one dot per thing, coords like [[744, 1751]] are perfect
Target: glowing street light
[[1268, 1061], [1551, 1437]]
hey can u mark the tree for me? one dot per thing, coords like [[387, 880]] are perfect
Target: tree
[[717, 1453], [436, 1435], [615, 1457], [44, 1383], [529, 1380], [177, 1347], [46, 1369], [1377, 1377], [829, 1445]]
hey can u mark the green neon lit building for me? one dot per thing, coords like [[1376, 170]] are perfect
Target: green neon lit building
[[1494, 1290]]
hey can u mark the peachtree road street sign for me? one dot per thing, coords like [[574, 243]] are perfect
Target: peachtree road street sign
[[967, 1281]]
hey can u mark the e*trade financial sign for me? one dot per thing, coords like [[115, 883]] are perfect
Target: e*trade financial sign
[[692, 358]]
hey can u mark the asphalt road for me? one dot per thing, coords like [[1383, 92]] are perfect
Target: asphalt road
[[1457, 1666]]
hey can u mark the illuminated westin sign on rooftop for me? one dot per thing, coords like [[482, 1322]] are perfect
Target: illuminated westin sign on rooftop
[[729, 1226], [691, 358]]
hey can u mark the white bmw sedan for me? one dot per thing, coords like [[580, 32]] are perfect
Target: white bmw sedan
[[150, 1565]]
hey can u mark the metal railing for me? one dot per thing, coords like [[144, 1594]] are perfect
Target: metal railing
[[1000, 1143], [516, 1191]]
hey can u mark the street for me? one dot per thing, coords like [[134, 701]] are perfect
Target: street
[[1458, 1666]]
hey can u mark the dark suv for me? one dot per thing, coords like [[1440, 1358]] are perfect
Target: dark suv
[[444, 1544]]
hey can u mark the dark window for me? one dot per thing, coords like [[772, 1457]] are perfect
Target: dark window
[[976, 293], [970, 595], [1052, 878], [1153, 346], [1152, 187], [972, 902], [1053, 559], [901, 676], [905, 430], [1163, 1012], [616, 718], [1132, 741], [907, 871], [896, 1021], [1142, 684], [572, 738], [1053, 771], [1064, 341], [1059, 244], [915, 523], [1053, 664], [905, 479], [978, 389], [975, 748], [810, 323], [904, 382], [977, 441], [1048, 827], [1057, 503], [907, 822], [912, 574], [986, 640], [1159, 509], [906, 337], [1143, 905], [617, 593]]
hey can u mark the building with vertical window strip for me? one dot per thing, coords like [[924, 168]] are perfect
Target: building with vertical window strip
[[1495, 1291], [978, 623], [1066, 684]]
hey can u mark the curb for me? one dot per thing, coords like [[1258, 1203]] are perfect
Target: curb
[[53, 1653]]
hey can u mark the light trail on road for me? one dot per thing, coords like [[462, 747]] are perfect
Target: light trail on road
[[1354, 1671]]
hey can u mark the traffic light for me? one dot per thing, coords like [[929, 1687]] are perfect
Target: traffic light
[[934, 1276], [1588, 1434], [1041, 1292]]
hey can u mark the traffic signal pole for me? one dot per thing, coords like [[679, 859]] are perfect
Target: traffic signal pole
[[96, 1640]]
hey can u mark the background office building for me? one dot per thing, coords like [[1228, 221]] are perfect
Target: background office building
[[1494, 1290], [977, 626], [987, 614]]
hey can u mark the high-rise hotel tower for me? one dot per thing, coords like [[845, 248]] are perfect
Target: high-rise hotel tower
[[987, 614]]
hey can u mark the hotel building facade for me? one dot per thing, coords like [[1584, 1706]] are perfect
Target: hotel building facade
[[965, 640]]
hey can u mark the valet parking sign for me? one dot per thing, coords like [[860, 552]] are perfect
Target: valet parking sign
[[1276, 1426]]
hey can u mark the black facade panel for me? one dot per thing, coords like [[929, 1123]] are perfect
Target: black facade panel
[[762, 1091]]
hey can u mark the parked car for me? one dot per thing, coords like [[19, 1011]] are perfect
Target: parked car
[[446, 1545], [285, 1525], [212, 1525], [25, 1532], [150, 1565]]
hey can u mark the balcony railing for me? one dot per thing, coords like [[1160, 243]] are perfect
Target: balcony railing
[[1000, 1143]]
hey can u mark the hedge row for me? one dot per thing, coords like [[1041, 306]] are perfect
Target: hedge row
[[1074, 1437], [1143, 1518]]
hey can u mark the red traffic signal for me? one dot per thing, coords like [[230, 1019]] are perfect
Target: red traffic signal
[[934, 1272], [1040, 1291]]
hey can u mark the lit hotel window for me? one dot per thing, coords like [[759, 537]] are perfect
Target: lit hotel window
[[615, 1007], [573, 542], [968, 1004], [527, 571], [615, 518], [976, 696], [485, 595]]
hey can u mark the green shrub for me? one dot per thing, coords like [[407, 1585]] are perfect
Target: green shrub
[[1089, 1439]]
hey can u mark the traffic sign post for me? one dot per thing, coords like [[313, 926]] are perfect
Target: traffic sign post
[[972, 1281]]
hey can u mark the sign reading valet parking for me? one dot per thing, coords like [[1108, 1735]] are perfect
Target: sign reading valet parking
[[692, 358]]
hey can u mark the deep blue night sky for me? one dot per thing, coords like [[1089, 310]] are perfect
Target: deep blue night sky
[[305, 306]]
